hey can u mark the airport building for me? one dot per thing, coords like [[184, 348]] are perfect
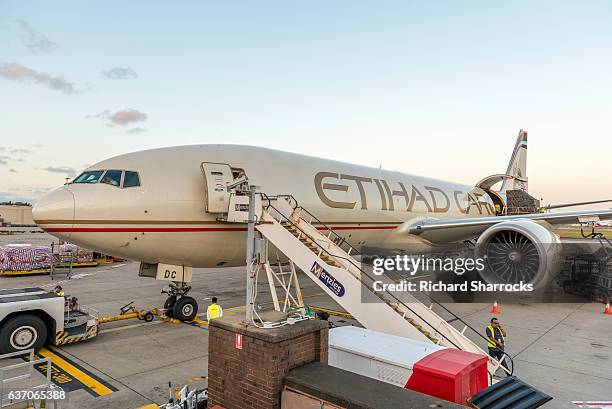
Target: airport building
[[19, 215]]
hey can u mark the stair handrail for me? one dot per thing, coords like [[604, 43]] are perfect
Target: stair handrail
[[364, 273], [342, 239]]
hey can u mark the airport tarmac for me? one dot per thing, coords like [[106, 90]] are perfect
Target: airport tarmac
[[562, 349], [25, 235]]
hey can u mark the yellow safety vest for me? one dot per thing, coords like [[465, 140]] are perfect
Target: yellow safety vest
[[60, 294], [490, 343], [214, 311]]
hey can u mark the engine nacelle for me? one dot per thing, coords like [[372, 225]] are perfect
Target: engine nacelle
[[519, 250]]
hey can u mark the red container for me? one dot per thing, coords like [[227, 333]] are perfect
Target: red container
[[450, 374]]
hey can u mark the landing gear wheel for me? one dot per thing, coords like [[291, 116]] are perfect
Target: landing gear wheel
[[185, 309], [169, 304], [22, 332], [148, 317]]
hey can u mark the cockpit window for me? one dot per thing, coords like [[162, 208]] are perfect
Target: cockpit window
[[89, 177], [131, 179], [112, 177]]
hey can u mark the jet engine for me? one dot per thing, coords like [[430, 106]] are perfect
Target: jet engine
[[519, 250]]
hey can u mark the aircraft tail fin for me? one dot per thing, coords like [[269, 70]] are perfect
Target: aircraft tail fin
[[518, 165]]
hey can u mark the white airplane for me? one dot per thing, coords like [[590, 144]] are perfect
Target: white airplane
[[163, 205]]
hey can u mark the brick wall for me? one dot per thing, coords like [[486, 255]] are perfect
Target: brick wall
[[252, 377]]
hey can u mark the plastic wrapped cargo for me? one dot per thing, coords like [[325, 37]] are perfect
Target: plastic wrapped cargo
[[25, 257], [80, 255]]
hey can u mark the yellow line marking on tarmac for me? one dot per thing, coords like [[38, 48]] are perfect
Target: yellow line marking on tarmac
[[81, 376], [196, 320], [229, 311], [332, 312], [104, 331]]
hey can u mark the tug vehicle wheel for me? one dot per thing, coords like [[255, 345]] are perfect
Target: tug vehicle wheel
[[148, 317], [185, 309], [22, 332]]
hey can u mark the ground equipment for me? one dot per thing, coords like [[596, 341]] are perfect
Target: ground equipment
[[32, 317], [129, 311]]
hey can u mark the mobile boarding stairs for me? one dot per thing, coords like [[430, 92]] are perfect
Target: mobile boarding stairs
[[325, 257]]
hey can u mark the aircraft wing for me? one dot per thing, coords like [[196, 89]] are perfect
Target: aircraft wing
[[451, 230], [559, 206]]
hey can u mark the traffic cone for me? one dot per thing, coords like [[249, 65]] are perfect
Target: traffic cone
[[608, 309], [495, 309]]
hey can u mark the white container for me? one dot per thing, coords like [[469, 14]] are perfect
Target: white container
[[388, 358]]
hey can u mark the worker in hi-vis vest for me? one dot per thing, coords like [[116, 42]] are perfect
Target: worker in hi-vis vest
[[496, 340], [59, 291], [214, 310]]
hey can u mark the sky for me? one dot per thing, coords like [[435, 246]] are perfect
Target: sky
[[432, 88]]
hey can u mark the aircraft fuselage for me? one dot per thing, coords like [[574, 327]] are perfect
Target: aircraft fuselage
[[165, 219]]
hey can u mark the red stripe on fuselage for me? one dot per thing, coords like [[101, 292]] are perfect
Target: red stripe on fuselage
[[184, 229]]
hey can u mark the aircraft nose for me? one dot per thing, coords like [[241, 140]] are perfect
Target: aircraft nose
[[55, 210]]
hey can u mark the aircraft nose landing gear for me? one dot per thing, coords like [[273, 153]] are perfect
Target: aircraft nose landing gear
[[178, 305]]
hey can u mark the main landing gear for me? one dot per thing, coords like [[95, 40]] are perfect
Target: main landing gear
[[178, 304]]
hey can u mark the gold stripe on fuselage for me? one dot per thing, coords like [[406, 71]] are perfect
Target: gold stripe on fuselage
[[183, 222]]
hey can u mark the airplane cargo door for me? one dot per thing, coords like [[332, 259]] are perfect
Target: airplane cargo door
[[216, 178]]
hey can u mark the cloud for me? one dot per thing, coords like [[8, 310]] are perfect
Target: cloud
[[29, 194], [135, 131], [123, 117], [66, 170], [20, 151], [15, 154], [7, 197], [42, 190], [13, 170], [120, 73], [18, 73], [35, 41]]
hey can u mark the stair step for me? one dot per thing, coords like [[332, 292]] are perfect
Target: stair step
[[332, 263], [412, 322], [317, 245]]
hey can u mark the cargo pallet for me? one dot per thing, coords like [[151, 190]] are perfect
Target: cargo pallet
[[40, 271]]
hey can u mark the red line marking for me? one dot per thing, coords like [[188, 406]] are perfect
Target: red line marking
[[141, 229], [186, 229]]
